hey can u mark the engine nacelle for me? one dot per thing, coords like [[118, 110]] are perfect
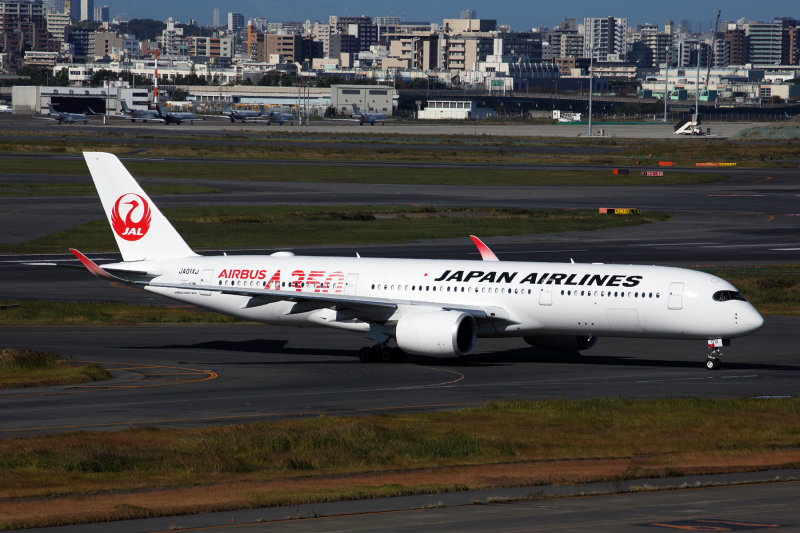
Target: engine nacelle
[[566, 343], [436, 333]]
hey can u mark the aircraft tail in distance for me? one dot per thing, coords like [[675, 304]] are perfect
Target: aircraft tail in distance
[[142, 232]]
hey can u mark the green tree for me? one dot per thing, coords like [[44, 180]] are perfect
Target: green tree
[[100, 76], [38, 75], [61, 78]]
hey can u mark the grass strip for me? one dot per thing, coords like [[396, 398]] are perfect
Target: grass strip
[[443, 148], [108, 475], [772, 289], [48, 189], [259, 227], [43, 313], [29, 368], [391, 174]]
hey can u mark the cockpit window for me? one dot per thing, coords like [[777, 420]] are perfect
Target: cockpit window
[[724, 296]]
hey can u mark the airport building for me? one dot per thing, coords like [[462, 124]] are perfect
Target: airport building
[[454, 109], [369, 98]]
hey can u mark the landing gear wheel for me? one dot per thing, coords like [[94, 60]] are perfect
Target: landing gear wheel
[[713, 363], [398, 355], [365, 355], [386, 355]]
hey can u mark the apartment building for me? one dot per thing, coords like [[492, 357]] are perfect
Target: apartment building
[[605, 39]]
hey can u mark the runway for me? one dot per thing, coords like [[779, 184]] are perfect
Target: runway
[[181, 376], [651, 130]]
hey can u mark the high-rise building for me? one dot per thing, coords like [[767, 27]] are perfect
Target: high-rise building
[[53, 6], [287, 46], [87, 10], [657, 43], [214, 46], [738, 45], [469, 14], [766, 43], [360, 27], [235, 22], [605, 39], [56, 24], [23, 27], [568, 26], [215, 17], [101, 14]]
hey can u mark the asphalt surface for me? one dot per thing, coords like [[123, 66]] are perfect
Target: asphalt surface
[[181, 376], [396, 128], [766, 506]]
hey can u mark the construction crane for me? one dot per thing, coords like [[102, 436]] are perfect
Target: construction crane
[[713, 48]]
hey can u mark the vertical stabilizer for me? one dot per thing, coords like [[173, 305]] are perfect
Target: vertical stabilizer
[[140, 229]]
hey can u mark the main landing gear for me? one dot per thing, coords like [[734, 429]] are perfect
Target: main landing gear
[[380, 353]]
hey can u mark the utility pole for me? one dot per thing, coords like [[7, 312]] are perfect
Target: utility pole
[[666, 83], [591, 87]]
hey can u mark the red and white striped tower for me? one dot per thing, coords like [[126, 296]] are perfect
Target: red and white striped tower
[[155, 94]]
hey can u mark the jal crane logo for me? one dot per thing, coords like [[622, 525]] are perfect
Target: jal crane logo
[[131, 217]]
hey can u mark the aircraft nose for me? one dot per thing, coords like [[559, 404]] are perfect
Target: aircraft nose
[[752, 320]]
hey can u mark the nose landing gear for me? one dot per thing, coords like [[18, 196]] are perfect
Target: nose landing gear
[[713, 362], [714, 353]]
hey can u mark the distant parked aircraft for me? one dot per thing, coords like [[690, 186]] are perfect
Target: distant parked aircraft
[[371, 118], [145, 115], [62, 116], [242, 115], [175, 116]]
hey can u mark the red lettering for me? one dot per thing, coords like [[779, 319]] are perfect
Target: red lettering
[[223, 274], [312, 279], [334, 282], [300, 275], [275, 281]]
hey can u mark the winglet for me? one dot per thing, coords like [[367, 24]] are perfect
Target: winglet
[[486, 253], [93, 267]]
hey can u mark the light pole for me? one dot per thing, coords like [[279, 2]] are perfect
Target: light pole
[[591, 76], [666, 83]]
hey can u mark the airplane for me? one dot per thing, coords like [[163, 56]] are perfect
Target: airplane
[[145, 115], [174, 116], [368, 117], [242, 115], [276, 116], [435, 308], [62, 116]]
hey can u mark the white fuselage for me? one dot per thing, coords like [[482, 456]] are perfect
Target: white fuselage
[[518, 298]]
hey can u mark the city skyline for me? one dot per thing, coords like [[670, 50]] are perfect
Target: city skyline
[[520, 16]]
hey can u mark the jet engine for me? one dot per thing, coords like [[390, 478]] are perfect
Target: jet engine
[[436, 333], [566, 343]]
